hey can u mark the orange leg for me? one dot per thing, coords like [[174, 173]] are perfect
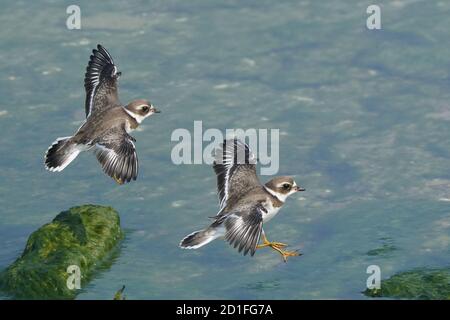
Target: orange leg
[[277, 246]]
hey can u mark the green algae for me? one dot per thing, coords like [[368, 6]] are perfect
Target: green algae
[[384, 250], [83, 236], [119, 295], [421, 284]]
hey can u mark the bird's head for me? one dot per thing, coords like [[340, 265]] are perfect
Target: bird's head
[[283, 187], [140, 109]]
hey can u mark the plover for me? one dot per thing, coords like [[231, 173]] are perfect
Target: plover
[[107, 125], [245, 204]]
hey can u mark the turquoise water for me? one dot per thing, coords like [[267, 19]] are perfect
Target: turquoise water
[[363, 118]]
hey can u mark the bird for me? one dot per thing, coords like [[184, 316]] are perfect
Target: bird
[[108, 124], [245, 205]]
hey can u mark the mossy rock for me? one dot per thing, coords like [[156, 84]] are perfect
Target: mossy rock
[[384, 250], [421, 284], [83, 236]]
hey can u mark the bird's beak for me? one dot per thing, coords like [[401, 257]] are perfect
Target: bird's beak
[[156, 110], [297, 188]]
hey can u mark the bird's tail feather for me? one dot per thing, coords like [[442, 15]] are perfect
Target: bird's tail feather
[[199, 238], [62, 152]]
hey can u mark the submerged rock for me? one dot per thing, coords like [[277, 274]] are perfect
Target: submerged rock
[[423, 284], [386, 248], [119, 294], [78, 241]]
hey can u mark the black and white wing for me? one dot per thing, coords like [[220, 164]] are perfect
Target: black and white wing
[[117, 154], [100, 82], [235, 167], [244, 227]]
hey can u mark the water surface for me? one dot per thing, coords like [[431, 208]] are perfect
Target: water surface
[[363, 116]]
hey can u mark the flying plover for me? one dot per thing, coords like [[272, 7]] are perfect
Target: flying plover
[[245, 204], [107, 125]]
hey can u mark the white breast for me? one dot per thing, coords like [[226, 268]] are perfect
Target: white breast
[[128, 126], [271, 211]]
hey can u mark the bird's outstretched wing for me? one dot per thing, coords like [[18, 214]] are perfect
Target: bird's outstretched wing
[[235, 168], [117, 154], [100, 82], [243, 227]]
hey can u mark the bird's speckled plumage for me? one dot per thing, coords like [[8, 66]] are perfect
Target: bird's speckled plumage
[[107, 126], [244, 204]]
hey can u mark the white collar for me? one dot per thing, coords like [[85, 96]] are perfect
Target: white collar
[[135, 116], [280, 197]]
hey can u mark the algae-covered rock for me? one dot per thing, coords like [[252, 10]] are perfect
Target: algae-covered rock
[[79, 239], [423, 284], [386, 248], [119, 294]]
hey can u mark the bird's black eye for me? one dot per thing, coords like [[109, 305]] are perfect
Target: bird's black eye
[[286, 186], [145, 109]]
